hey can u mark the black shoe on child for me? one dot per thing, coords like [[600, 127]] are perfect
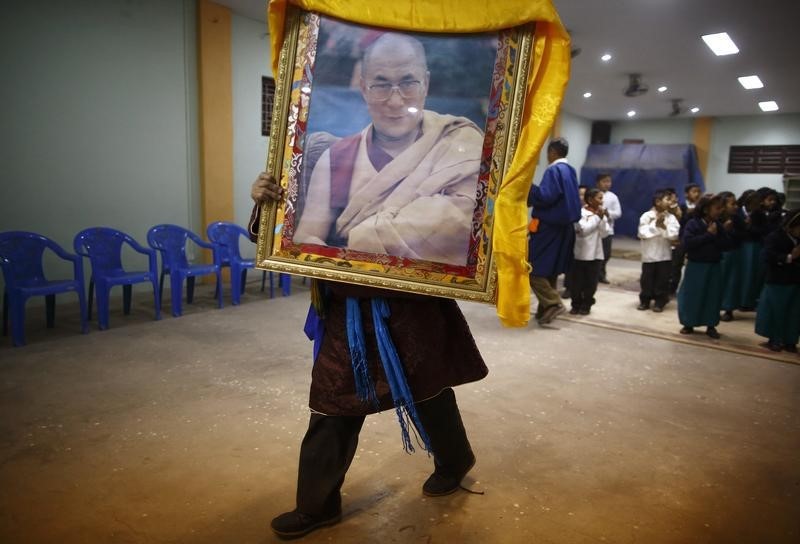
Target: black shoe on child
[[658, 309], [687, 330], [790, 349], [772, 346], [727, 316], [574, 311], [584, 311], [604, 281], [712, 333], [295, 524], [642, 307]]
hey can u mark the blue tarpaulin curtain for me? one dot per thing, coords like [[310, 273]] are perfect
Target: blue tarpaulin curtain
[[638, 170]]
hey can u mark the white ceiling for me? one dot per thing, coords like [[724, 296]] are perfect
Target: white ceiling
[[661, 40]]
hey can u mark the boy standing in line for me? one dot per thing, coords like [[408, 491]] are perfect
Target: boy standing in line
[[658, 228], [614, 211]]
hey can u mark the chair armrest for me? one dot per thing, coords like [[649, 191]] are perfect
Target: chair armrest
[[208, 245], [139, 248]]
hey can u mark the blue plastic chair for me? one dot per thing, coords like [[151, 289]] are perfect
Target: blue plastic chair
[[103, 247], [21, 255], [226, 235], [170, 241]]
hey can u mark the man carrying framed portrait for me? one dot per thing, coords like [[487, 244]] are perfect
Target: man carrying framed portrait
[[392, 140]]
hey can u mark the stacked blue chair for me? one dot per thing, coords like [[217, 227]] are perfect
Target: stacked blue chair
[[226, 235], [21, 255], [103, 246], [170, 241]]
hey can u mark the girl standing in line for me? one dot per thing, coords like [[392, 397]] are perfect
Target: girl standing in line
[[700, 292], [734, 227], [778, 317]]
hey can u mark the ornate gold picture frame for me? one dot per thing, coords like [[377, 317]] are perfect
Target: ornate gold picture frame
[[391, 147]]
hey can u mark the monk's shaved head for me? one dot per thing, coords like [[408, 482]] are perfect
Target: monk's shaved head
[[391, 45]]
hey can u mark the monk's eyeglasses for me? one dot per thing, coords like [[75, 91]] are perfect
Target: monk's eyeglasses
[[381, 92]]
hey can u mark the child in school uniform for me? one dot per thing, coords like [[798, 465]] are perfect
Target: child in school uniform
[[778, 317], [757, 227], [589, 233], [565, 294], [658, 228], [692, 194], [732, 265], [700, 292]]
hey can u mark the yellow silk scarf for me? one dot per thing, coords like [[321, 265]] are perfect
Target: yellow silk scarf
[[546, 85]]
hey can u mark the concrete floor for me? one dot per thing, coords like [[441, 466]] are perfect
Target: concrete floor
[[187, 431]]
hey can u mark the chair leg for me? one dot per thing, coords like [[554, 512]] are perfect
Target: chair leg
[[161, 286], [5, 312], [271, 285], [286, 284], [219, 287], [83, 310], [17, 309], [244, 281], [127, 292], [91, 299], [50, 302], [236, 289], [103, 296], [263, 279], [189, 289], [176, 288], [156, 299]]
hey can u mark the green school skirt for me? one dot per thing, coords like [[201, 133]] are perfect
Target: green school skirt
[[700, 294], [732, 280], [753, 272], [778, 317]]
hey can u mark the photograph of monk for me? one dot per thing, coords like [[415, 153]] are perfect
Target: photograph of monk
[[394, 142]]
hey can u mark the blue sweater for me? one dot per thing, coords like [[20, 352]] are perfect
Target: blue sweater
[[702, 246], [556, 200]]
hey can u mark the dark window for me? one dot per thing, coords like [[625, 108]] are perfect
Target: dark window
[[764, 159], [267, 101]]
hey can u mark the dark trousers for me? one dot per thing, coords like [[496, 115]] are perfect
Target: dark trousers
[[606, 256], [654, 282], [678, 260], [331, 441], [583, 283]]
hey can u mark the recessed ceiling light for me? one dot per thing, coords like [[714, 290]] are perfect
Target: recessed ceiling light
[[720, 44], [606, 57], [587, 95], [751, 82], [662, 89], [631, 113], [769, 105], [694, 109]]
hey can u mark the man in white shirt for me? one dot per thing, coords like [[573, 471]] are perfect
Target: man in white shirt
[[658, 229], [614, 211]]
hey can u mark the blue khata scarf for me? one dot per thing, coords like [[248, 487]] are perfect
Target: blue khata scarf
[[392, 366]]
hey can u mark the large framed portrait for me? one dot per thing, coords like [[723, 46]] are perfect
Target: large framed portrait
[[391, 147]]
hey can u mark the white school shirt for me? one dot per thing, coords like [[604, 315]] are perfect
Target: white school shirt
[[614, 209], [656, 245], [589, 234]]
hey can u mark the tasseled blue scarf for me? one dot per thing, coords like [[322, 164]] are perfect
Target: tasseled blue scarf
[[392, 366], [395, 375]]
